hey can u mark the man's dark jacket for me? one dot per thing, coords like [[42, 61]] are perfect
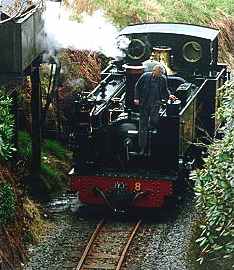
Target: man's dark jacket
[[143, 88]]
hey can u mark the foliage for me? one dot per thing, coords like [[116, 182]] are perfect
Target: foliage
[[196, 12], [81, 6], [81, 64], [226, 38], [20, 220], [52, 177], [49, 147], [218, 14], [215, 187], [7, 203], [54, 160], [11, 220], [34, 223], [25, 147], [6, 127], [226, 110], [55, 148], [49, 171], [125, 12]]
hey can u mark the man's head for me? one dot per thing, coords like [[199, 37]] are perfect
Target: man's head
[[158, 70]]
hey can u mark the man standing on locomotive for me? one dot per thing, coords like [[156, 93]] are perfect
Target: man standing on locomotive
[[150, 90]]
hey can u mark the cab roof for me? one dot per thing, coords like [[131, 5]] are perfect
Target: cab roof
[[172, 28]]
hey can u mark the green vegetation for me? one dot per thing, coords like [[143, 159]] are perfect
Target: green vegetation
[[25, 147], [6, 127], [53, 178], [125, 12], [33, 222], [55, 148], [122, 12], [214, 188], [54, 161], [217, 14], [49, 147], [81, 64], [7, 203], [196, 12]]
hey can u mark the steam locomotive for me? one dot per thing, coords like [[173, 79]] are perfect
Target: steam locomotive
[[108, 168]]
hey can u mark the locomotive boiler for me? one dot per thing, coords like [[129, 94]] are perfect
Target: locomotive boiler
[[108, 168]]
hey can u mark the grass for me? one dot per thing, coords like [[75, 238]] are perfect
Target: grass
[[196, 12], [54, 148], [124, 12], [49, 147], [54, 161], [53, 178], [33, 222], [25, 148]]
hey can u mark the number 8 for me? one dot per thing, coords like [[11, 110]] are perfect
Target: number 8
[[137, 186]]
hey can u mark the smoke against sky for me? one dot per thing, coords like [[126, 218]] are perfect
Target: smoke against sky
[[94, 33]]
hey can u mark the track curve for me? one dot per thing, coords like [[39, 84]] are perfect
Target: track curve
[[108, 246]]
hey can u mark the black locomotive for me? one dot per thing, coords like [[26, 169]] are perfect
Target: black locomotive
[[108, 167]]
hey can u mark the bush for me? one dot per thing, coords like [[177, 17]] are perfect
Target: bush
[[55, 148], [6, 127], [54, 161], [34, 224], [53, 178], [215, 187], [49, 147], [81, 65], [25, 147], [7, 203]]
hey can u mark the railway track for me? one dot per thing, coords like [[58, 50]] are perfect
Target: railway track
[[108, 246]]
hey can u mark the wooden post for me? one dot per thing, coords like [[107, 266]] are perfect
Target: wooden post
[[36, 121], [16, 115]]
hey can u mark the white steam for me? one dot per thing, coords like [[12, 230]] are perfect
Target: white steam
[[95, 33]]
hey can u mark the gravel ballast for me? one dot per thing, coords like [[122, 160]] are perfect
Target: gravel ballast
[[63, 246], [160, 244]]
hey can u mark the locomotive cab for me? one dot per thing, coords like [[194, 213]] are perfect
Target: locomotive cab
[[108, 167]]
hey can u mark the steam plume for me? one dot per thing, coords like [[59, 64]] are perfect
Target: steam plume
[[94, 33]]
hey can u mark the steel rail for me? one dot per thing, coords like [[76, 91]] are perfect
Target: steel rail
[[89, 245], [119, 258], [123, 255]]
